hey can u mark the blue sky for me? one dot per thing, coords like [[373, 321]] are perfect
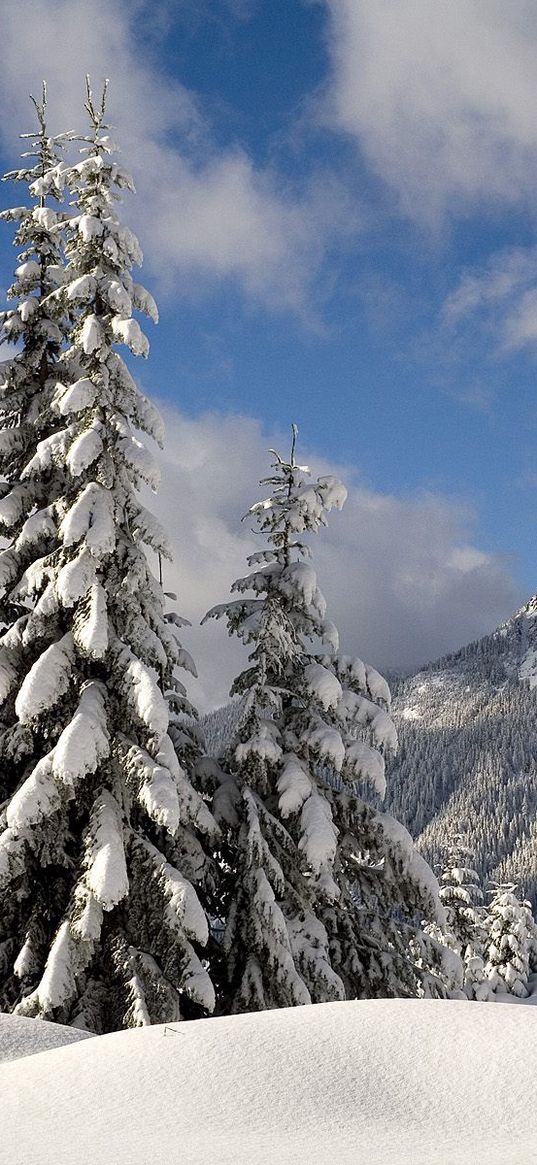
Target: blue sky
[[337, 206]]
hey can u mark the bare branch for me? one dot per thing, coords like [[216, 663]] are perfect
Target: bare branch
[[40, 108]]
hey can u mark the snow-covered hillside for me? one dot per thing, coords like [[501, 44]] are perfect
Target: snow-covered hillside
[[467, 760], [392, 1082]]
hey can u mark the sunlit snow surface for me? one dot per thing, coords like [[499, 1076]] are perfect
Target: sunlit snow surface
[[390, 1082]]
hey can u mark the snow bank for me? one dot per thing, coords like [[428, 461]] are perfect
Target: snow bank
[[390, 1082], [25, 1037]]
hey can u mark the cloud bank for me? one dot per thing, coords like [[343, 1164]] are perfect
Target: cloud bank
[[402, 577]]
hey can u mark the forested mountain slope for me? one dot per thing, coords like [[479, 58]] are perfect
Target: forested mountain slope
[[467, 760]]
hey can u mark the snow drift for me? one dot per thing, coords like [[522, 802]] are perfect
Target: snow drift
[[390, 1082], [26, 1037]]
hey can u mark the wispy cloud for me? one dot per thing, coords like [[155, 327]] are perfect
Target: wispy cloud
[[500, 298]]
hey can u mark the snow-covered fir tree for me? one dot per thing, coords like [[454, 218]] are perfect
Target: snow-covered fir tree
[[100, 924], [465, 931], [323, 893], [462, 896], [510, 947]]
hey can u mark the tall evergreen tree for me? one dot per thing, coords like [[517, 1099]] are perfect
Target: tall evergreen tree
[[99, 927], [323, 892]]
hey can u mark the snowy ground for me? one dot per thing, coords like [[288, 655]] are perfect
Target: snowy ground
[[384, 1083]]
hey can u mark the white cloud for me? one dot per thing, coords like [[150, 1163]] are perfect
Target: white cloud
[[440, 95], [501, 298], [403, 580], [202, 211]]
